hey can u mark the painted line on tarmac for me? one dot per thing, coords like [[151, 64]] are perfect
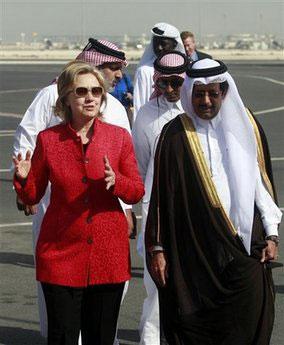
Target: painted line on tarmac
[[267, 111], [275, 81], [8, 225], [7, 133], [4, 92], [17, 116], [19, 320], [5, 170], [275, 159]]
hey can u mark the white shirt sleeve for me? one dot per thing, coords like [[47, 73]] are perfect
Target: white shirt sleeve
[[141, 145], [142, 89], [270, 213], [37, 118], [115, 113]]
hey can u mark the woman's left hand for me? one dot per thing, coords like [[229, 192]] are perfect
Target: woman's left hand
[[109, 174]]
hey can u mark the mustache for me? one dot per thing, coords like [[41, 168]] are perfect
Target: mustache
[[203, 106]]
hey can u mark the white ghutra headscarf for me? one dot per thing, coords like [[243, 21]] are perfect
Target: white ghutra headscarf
[[161, 30], [239, 137], [170, 64]]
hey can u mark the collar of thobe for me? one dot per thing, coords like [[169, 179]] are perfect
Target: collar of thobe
[[214, 123], [170, 105]]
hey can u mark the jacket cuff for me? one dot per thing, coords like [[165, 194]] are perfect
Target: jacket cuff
[[19, 183]]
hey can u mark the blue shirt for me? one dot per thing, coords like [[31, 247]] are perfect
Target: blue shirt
[[121, 88]]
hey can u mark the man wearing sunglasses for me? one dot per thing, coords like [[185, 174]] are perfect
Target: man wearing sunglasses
[[40, 115], [165, 37], [164, 105]]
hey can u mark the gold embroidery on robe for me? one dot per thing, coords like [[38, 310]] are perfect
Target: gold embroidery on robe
[[260, 156], [158, 193]]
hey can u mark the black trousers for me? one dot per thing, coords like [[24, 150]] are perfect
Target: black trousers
[[93, 310]]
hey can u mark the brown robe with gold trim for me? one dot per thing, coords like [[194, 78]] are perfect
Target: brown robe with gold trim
[[216, 294]]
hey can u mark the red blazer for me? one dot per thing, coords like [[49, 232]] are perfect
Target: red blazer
[[83, 238]]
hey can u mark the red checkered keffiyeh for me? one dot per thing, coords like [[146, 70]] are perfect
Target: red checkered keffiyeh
[[96, 58], [168, 60]]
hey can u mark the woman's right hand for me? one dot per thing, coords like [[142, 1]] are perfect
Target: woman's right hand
[[22, 166]]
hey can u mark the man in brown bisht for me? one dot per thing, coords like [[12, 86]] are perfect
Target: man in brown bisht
[[212, 225]]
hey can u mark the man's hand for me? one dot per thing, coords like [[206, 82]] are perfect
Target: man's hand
[[159, 268], [28, 209], [129, 96], [270, 252]]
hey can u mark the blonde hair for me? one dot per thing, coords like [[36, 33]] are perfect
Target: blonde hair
[[66, 80]]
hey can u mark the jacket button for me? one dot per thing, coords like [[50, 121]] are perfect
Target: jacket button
[[86, 200], [89, 240], [89, 220], [86, 160], [84, 179]]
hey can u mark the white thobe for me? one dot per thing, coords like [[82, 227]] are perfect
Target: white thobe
[[147, 127], [143, 87], [214, 147], [39, 116]]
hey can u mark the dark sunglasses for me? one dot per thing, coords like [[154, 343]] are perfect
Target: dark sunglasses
[[174, 83], [82, 91]]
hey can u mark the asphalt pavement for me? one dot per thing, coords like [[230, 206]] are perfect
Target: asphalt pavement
[[262, 87]]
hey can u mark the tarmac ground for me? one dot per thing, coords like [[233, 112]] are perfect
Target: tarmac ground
[[262, 87]]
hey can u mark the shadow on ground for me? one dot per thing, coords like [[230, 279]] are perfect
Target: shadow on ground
[[128, 335], [279, 288], [20, 336], [17, 259]]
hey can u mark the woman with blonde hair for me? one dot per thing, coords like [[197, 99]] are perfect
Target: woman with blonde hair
[[82, 254]]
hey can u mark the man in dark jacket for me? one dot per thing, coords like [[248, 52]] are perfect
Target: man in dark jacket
[[188, 40]]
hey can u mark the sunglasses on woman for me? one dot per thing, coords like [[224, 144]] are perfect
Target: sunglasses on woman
[[82, 91], [174, 83]]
